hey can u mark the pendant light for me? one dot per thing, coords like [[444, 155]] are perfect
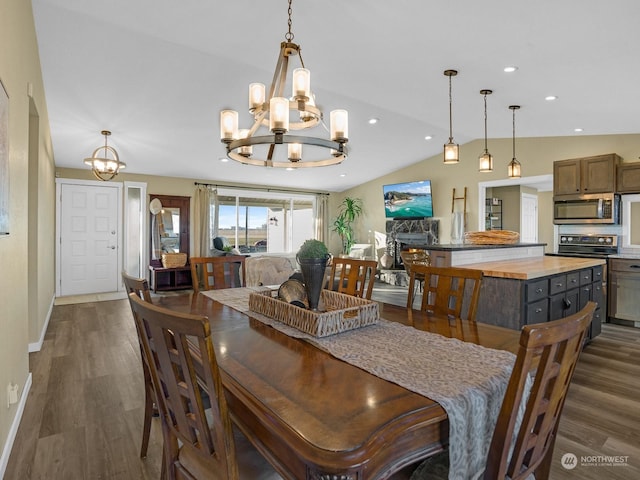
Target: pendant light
[[514, 166], [451, 149], [485, 161], [106, 166]]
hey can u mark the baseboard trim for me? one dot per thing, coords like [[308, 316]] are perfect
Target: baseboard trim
[[37, 346], [13, 431]]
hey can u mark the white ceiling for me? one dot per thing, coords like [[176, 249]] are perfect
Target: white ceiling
[[157, 72]]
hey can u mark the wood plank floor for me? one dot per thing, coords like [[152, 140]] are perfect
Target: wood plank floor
[[83, 417]]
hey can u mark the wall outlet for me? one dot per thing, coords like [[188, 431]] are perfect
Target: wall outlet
[[12, 394]]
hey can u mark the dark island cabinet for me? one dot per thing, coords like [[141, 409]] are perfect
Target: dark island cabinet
[[513, 303]]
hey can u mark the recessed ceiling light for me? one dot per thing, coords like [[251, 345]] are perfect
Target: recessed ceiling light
[[343, 174], [373, 121], [510, 69], [289, 169], [428, 137], [577, 129], [550, 98], [224, 159]]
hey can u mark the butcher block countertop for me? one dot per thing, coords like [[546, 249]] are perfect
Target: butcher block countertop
[[529, 268]]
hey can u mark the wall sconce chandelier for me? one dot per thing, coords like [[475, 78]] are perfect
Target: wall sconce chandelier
[[103, 167], [485, 161], [514, 165], [451, 149], [274, 112]]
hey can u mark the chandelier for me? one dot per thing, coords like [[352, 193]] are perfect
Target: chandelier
[[103, 167], [281, 115]]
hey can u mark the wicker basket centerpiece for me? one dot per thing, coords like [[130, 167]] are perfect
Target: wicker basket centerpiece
[[492, 237], [174, 260], [341, 312]]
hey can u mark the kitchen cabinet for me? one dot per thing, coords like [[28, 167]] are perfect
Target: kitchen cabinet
[[624, 281], [514, 303], [628, 178], [585, 175]]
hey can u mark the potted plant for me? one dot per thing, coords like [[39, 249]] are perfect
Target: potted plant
[[312, 258], [349, 210]]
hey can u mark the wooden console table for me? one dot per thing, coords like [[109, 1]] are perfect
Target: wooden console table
[[163, 279]]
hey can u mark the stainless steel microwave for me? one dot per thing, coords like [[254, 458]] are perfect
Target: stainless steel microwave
[[592, 208]]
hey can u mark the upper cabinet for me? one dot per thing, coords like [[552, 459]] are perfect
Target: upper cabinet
[[169, 226], [585, 175], [628, 178]]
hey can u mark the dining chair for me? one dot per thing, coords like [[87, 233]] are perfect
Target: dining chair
[[546, 359], [409, 258], [352, 276], [140, 287], [447, 291], [212, 273], [200, 441]]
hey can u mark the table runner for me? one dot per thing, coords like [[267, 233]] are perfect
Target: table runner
[[467, 380]]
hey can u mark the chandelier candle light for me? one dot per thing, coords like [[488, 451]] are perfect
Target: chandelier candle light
[[282, 115], [513, 169], [485, 161], [103, 167], [451, 149]]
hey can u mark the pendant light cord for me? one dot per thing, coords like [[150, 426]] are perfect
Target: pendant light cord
[[514, 132], [450, 114], [485, 122]]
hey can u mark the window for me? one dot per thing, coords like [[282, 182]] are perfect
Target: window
[[270, 222]]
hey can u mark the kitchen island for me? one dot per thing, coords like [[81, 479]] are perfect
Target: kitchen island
[[454, 255], [524, 291]]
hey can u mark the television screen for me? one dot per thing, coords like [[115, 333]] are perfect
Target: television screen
[[408, 200]]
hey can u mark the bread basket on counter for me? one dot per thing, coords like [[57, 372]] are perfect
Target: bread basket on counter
[[492, 237]]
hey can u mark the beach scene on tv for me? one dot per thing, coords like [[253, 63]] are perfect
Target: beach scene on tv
[[408, 200]]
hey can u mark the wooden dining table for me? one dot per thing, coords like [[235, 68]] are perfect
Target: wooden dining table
[[316, 417]]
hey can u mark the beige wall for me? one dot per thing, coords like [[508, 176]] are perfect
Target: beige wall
[[27, 280], [535, 154]]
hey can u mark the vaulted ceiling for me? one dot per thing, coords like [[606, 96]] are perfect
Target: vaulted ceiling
[[157, 73]]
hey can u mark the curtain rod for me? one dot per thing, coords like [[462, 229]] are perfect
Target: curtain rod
[[258, 189]]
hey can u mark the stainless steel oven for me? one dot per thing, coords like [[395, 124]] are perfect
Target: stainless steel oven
[[594, 208]]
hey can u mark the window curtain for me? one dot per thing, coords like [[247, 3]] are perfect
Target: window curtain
[[322, 203], [204, 197]]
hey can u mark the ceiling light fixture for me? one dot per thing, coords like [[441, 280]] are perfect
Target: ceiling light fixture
[[103, 167], [451, 150], [510, 69], [514, 170], [485, 161], [273, 112]]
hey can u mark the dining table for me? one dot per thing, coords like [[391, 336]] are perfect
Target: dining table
[[318, 417]]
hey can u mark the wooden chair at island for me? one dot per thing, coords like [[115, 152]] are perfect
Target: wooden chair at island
[[548, 355], [352, 276], [451, 292], [414, 257], [200, 441], [140, 287], [212, 273]]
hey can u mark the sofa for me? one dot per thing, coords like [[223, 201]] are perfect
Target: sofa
[[268, 270]]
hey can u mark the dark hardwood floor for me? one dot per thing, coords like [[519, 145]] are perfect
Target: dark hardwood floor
[[83, 417]]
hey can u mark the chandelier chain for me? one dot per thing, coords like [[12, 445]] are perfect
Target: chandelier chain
[[289, 35]]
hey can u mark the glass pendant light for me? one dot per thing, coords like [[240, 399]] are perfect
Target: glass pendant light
[[514, 166], [485, 161], [451, 149]]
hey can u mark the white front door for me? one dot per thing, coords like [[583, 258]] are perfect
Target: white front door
[[528, 218], [89, 237]]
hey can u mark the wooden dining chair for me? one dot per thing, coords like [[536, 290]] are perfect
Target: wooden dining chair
[[140, 287], [211, 273], [352, 276], [448, 291], [200, 441], [548, 354], [414, 257]]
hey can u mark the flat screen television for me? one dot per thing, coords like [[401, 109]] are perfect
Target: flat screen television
[[410, 200]]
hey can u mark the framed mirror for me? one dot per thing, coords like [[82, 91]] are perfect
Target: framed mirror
[[169, 226]]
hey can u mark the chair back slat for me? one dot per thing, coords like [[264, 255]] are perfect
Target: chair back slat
[[548, 355], [184, 370], [210, 273], [352, 276], [447, 290]]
